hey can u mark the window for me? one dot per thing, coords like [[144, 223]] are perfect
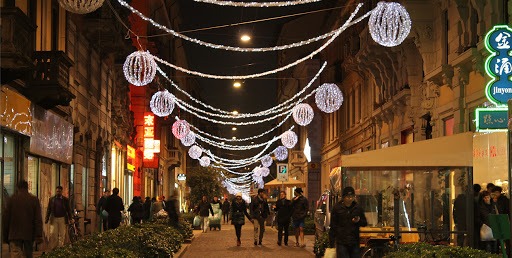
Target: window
[[448, 125], [33, 175], [9, 166]]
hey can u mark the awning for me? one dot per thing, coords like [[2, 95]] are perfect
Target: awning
[[291, 183], [448, 151]]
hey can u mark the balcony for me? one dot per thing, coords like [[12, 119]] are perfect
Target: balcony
[[49, 83], [17, 46]]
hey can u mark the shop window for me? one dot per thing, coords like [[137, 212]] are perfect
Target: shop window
[[9, 158], [33, 175]]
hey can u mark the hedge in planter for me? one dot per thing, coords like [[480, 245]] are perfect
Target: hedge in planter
[[424, 250]]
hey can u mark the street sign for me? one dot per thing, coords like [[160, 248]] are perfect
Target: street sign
[[491, 119], [282, 172]]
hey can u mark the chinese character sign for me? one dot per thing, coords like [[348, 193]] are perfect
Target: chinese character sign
[[499, 64]]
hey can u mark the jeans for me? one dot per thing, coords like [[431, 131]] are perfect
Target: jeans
[[238, 231], [280, 228], [204, 223], [57, 232], [348, 251], [259, 229], [226, 216], [21, 248]]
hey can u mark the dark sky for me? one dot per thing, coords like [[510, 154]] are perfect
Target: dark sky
[[255, 94]]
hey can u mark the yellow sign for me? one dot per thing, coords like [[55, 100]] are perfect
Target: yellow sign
[[130, 167], [130, 152]]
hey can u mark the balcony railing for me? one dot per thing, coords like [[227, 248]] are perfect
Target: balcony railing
[[17, 44], [49, 84]]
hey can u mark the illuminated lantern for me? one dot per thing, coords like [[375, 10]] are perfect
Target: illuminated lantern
[[180, 129], [389, 24], [139, 68], [289, 139], [303, 114]]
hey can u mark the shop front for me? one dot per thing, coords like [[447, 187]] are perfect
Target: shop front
[[410, 190]]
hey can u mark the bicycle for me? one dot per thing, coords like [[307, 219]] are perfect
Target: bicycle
[[378, 247], [431, 236], [73, 228]]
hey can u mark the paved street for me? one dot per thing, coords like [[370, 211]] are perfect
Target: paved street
[[223, 244]]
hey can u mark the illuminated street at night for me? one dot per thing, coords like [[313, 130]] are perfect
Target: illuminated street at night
[[209, 128]]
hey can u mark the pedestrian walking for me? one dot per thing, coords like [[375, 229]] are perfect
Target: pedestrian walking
[[225, 210], [214, 222], [204, 208], [157, 205], [459, 217], [114, 207], [259, 212], [147, 209], [136, 210], [300, 208], [486, 207], [346, 219], [238, 210], [100, 209], [172, 209], [58, 214], [22, 222], [283, 208]]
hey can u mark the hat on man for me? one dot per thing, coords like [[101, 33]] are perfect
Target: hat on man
[[239, 194], [349, 190], [299, 190]]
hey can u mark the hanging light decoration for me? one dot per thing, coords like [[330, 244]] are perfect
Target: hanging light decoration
[[139, 68], [162, 103], [289, 139], [256, 172], [264, 171], [204, 161], [195, 152], [328, 97], [266, 161], [81, 6], [303, 114], [180, 129], [281, 153], [389, 24], [189, 139]]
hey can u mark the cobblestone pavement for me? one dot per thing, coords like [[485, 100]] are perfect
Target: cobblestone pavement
[[223, 244]]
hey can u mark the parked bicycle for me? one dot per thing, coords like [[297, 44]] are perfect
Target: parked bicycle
[[74, 228]]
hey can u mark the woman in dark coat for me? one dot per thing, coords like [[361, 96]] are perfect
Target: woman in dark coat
[[238, 210]]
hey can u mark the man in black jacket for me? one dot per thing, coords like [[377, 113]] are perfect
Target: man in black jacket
[[300, 210], [204, 208], [259, 212], [58, 214], [283, 208], [226, 207], [100, 208], [346, 218], [114, 206]]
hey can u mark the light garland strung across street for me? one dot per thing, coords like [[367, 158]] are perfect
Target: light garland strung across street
[[272, 110], [81, 6], [256, 75], [232, 48], [257, 4], [236, 147]]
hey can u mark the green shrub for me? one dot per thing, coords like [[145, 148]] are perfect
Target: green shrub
[[321, 244], [189, 217], [424, 250]]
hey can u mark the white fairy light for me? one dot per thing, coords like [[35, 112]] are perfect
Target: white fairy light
[[204, 161], [195, 152], [235, 147], [303, 114], [257, 4], [264, 171], [139, 68], [189, 139], [266, 161], [328, 97], [180, 129], [162, 103], [289, 139], [242, 49], [281, 153], [389, 24], [81, 6], [257, 172]]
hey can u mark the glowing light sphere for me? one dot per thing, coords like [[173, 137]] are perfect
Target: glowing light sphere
[[303, 114], [139, 68], [195, 152], [81, 6], [162, 103], [289, 139], [256, 172], [264, 171], [266, 161], [281, 153], [204, 161], [389, 24], [189, 139], [329, 98], [180, 129]]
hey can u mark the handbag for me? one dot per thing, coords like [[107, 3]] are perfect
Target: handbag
[[330, 253], [104, 213], [486, 233]]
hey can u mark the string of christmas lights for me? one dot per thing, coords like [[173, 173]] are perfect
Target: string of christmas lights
[[257, 4], [232, 48]]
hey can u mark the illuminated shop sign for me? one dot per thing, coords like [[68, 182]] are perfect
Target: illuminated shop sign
[[499, 89], [130, 152], [182, 177], [130, 167]]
